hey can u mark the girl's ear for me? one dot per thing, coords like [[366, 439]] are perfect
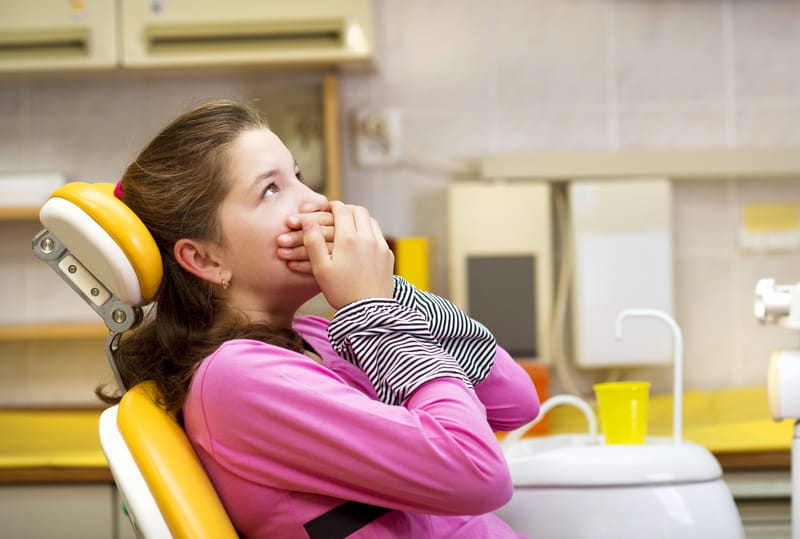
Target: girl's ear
[[197, 258]]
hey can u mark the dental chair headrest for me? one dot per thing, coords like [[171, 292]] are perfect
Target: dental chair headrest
[[107, 237]]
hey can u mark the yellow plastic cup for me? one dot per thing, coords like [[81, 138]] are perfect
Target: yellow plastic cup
[[623, 411]]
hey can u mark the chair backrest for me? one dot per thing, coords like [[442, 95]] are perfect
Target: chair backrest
[[106, 254], [138, 503], [171, 469]]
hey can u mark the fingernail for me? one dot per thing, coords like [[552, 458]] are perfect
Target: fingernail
[[294, 220]]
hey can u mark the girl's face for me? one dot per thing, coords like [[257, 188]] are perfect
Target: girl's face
[[265, 191]]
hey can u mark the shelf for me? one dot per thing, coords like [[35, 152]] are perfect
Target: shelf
[[19, 214], [48, 332], [28, 475], [56, 445], [711, 163]]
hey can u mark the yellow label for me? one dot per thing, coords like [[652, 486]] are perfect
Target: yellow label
[[411, 261], [770, 217]]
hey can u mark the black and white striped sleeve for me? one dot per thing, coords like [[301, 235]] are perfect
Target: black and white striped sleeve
[[394, 347], [467, 340]]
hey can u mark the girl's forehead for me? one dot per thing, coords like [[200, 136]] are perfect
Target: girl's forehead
[[258, 138], [258, 148], [254, 155]]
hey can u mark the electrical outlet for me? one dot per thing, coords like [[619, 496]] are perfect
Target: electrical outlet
[[378, 137]]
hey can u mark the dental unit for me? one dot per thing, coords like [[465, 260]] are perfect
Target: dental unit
[[578, 486]]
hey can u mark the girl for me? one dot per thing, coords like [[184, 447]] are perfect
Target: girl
[[379, 423]]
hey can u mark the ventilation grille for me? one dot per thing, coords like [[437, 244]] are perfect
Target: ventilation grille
[[55, 43], [220, 38]]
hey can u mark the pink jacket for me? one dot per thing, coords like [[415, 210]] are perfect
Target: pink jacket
[[284, 439]]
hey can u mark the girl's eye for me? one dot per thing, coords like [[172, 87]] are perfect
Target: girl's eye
[[270, 190], [298, 174]]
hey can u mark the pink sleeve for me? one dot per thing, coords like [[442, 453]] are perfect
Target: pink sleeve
[[508, 394], [276, 418]]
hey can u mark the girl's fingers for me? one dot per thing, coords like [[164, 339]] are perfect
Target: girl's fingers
[[342, 218], [299, 254], [324, 218], [360, 265], [294, 238], [290, 245], [301, 266], [376, 230], [361, 218], [315, 244]]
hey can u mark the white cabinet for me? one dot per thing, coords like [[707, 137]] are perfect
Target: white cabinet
[[274, 32], [40, 35], [67, 511], [48, 35]]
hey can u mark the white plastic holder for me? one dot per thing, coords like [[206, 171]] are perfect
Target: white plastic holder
[[515, 435], [777, 304], [677, 381]]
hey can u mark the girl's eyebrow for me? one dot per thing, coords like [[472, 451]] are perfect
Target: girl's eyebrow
[[264, 175], [261, 178]]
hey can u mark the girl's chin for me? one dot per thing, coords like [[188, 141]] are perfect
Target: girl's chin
[[312, 289], [314, 302]]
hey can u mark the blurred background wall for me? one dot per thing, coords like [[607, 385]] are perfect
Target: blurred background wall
[[471, 78]]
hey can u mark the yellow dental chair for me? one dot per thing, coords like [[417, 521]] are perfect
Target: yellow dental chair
[[105, 253]]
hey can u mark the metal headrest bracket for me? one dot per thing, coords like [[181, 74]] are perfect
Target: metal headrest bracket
[[117, 315]]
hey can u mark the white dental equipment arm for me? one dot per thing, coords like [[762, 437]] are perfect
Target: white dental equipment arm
[[777, 304], [780, 305], [677, 382]]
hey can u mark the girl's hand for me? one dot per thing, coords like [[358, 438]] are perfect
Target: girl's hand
[[290, 244], [359, 266]]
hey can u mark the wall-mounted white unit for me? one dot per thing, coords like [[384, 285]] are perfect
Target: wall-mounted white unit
[[176, 33], [37, 35], [622, 249], [500, 261]]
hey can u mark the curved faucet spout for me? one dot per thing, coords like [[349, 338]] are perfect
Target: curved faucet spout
[[677, 382]]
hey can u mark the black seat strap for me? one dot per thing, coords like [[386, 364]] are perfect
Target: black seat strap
[[343, 520]]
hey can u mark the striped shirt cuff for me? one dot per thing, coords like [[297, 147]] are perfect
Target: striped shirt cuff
[[392, 344], [467, 340]]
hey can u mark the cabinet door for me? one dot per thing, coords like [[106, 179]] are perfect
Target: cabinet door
[[46, 35], [244, 32], [65, 511]]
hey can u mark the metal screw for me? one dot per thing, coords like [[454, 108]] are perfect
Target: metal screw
[[119, 316], [47, 245], [95, 292], [72, 268]]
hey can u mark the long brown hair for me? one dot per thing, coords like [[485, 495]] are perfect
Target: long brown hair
[[175, 186]]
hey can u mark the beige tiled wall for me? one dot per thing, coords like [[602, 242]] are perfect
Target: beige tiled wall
[[472, 77], [602, 75]]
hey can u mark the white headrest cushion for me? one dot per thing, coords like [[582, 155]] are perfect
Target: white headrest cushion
[[93, 246]]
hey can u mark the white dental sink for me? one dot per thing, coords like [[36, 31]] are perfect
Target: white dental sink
[[571, 486]]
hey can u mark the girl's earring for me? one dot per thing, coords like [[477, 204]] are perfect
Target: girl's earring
[[225, 283]]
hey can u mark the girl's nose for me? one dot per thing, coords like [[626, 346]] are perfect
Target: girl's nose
[[314, 202]]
